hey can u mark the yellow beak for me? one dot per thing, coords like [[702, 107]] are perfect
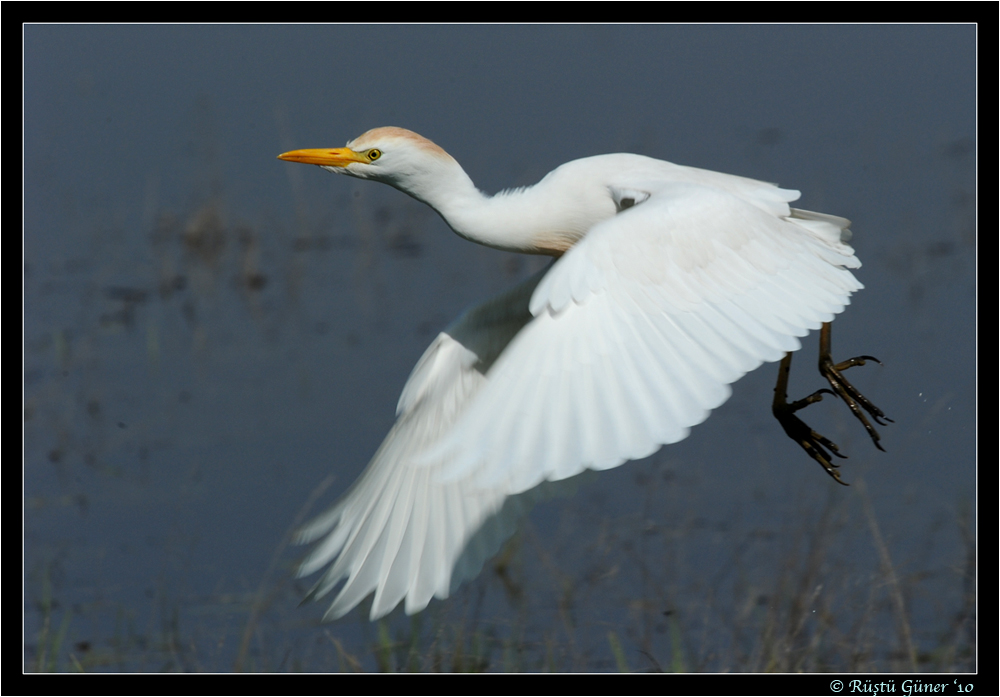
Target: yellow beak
[[325, 157]]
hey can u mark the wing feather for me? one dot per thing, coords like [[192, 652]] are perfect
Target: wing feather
[[400, 531]]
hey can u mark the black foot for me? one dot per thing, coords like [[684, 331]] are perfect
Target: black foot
[[858, 403], [819, 447]]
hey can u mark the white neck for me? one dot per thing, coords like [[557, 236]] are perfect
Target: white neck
[[521, 220]]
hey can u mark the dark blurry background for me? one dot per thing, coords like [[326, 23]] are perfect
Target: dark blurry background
[[210, 333]]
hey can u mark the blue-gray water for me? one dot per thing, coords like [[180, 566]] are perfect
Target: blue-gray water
[[210, 333]]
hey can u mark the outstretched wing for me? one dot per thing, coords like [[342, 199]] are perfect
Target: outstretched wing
[[640, 328], [400, 531]]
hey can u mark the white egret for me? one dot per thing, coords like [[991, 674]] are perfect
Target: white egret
[[669, 284]]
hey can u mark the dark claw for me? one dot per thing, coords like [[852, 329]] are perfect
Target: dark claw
[[857, 402], [816, 396], [857, 360], [817, 446]]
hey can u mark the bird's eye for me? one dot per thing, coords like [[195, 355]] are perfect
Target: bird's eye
[[374, 154]]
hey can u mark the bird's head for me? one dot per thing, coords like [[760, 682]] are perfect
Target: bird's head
[[394, 156]]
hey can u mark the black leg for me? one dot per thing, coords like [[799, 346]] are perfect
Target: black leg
[[819, 447]]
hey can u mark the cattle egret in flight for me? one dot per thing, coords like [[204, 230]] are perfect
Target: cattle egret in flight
[[668, 284]]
